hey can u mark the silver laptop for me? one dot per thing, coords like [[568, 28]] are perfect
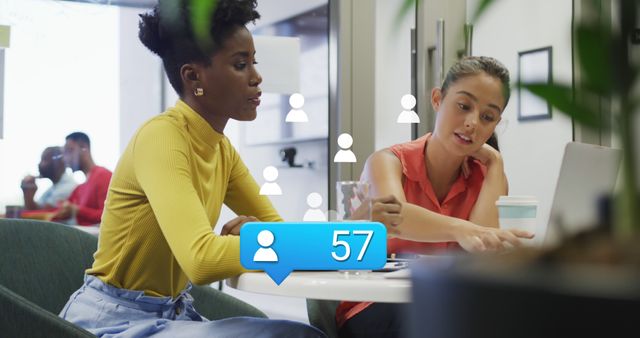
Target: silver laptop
[[587, 173]]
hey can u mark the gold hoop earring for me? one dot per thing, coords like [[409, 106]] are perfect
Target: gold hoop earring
[[198, 91]]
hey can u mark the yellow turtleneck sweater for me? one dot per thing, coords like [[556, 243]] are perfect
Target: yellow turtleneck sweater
[[163, 202]]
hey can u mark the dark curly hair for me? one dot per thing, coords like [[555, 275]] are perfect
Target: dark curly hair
[[79, 137], [168, 31]]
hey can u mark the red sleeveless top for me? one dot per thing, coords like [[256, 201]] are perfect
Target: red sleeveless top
[[418, 190]]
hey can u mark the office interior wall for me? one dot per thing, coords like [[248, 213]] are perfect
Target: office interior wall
[[392, 72], [362, 66], [61, 75], [353, 67], [437, 50], [532, 150], [1, 93], [140, 77], [352, 85], [5, 41]]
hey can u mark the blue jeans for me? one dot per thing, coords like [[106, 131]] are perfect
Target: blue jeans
[[107, 311]]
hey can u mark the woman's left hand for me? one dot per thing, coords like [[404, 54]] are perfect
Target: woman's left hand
[[233, 226], [486, 155]]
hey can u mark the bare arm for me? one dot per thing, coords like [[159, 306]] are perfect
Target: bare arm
[[495, 184], [384, 171], [29, 189]]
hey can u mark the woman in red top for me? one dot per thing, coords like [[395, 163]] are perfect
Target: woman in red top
[[447, 183]]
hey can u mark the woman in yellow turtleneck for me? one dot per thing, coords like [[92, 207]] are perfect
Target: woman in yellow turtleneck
[[168, 188]]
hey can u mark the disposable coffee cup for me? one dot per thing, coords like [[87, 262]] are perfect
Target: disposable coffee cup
[[518, 212]]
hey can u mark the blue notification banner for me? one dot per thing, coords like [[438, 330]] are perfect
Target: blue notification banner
[[279, 248]]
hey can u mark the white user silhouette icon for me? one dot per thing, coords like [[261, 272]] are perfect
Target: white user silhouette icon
[[314, 214], [345, 141], [296, 114], [270, 175], [265, 254], [408, 115]]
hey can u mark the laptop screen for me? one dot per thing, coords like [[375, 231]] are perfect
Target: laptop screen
[[588, 172]]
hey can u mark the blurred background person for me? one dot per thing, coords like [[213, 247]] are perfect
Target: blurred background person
[[85, 205], [51, 166]]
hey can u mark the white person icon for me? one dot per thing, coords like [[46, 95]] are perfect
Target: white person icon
[[270, 188], [345, 141], [265, 253], [314, 214], [407, 115], [296, 114]]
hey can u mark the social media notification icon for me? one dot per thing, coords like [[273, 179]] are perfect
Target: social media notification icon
[[280, 248]]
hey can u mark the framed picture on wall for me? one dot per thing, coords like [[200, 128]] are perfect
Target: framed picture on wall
[[534, 66]]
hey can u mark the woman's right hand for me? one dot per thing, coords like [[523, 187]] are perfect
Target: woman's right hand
[[475, 238], [233, 226], [28, 184], [387, 210]]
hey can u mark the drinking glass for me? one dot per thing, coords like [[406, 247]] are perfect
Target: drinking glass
[[353, 201]]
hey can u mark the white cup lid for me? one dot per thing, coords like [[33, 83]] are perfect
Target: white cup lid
[[517, 200]]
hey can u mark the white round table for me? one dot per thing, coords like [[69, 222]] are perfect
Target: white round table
[[329, 285]]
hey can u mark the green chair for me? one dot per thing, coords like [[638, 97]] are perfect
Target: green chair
[[322, 314], [43, 263]]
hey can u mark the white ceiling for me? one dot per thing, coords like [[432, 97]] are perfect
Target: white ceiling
[[128, 3], [272, 11]]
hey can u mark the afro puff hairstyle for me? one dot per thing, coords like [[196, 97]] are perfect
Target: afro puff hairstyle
[[168, 32]]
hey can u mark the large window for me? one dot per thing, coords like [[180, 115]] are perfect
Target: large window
[[61, 75]]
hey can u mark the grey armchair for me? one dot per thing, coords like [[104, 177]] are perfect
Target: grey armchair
[[43, 263], [322, 314]]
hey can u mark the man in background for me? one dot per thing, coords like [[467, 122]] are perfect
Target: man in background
[[85, 205], [51, 166]]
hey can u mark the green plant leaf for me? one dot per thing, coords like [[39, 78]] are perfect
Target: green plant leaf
[[594, 52], [404, 10], [201, 16], [482, 7], [561, 97]]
